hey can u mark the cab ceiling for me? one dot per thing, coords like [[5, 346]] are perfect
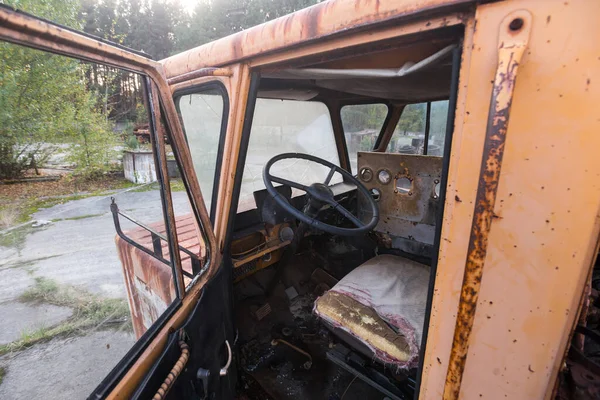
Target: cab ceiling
[[405, 74]]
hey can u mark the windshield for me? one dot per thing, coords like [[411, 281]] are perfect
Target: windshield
[[288, 126]]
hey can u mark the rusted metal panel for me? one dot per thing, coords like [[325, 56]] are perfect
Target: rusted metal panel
[[409, 213], [512, 42], [149, 282], [149, 285], [320, 21], [16, 27]]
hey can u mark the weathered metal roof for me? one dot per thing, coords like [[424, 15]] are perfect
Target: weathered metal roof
[[310, 24]]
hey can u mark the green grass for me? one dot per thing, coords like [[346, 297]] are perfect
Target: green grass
[[2, 374], [89, 312], [26, 265], [77, 218], [36, 205], [176, 186], [15, 238], [146, 187]]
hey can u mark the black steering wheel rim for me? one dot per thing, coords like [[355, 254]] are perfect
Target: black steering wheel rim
[[360, 229]]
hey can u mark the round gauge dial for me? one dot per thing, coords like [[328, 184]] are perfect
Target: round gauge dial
[[366, 174], [384, 177], [376, 194]]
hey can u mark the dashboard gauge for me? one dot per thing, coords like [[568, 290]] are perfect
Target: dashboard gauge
[[366, 174], [384, 177]]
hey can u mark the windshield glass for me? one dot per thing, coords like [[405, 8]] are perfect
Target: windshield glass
[[288, 126]]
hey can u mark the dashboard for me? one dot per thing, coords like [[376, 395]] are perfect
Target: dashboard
[[261, 234]]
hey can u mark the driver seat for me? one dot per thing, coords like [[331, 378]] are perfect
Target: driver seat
[[379, 309]]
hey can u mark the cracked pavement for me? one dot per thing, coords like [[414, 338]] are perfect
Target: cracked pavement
[[75, 247]]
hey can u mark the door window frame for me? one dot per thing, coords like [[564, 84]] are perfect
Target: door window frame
[[240, 163], [156, 113], [33, 32]]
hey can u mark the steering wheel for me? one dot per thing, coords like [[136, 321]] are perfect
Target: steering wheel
[[319, 194]]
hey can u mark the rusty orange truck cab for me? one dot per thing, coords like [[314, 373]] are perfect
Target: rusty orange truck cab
[[400, 193]]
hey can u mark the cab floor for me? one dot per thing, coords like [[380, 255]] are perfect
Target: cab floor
[[275, 350]]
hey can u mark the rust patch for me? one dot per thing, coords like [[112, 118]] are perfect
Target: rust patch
[[323, 20], [199, 74], [149, 282], [513, 39]]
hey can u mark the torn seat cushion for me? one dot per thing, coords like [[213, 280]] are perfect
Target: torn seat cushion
[[382, 305]]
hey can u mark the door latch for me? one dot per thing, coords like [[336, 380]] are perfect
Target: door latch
[[203, 375]]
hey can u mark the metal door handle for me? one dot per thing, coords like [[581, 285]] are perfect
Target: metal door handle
[[223, 370]]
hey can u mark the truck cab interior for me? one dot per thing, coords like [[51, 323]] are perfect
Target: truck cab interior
[[308, 264], [334, 240]]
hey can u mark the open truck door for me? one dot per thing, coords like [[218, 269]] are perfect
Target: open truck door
[[187, 351]]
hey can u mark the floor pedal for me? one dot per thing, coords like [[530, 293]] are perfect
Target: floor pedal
[[263, 311]]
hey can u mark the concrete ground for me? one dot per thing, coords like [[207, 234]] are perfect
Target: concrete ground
[[64, 368], [74, 246]]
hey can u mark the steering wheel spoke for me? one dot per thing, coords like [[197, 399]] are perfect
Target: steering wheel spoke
[[330, 175], [346, 213], [289, 183]]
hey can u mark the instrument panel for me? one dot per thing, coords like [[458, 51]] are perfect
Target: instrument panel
[[407, 188]]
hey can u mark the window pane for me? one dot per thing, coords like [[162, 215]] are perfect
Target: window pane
[[410, 131], [202, 116], [283, 126], [362, 124], [192, 243], [437, 132]]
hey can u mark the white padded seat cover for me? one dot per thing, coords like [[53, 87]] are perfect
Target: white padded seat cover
[[382, 304]]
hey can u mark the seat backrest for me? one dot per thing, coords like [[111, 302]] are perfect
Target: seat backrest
[[408, 201]]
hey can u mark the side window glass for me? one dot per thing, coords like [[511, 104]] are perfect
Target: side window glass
[[437, 133], [192, 241], [204, 117], [362, 124], [85, 268], [410, 132]]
